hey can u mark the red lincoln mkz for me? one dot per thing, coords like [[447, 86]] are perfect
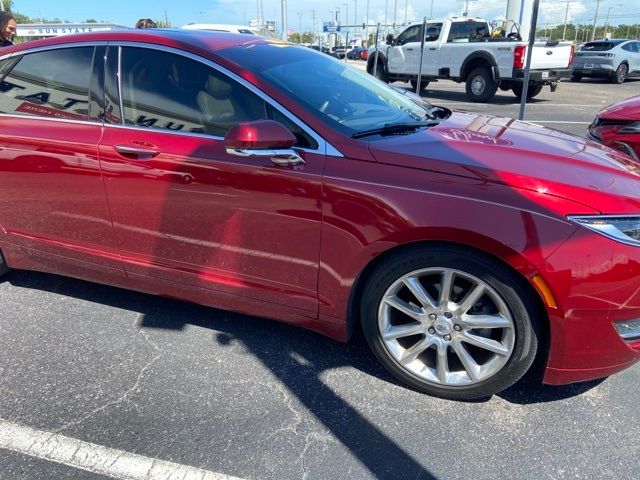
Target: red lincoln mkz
[[270, 179]]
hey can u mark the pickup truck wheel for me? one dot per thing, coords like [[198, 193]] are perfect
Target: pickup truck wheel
[[621, 74], [576, 78], [423, 85], [480, 85], [380, 74], [532, 92]]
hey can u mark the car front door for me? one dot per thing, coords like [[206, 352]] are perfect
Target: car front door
[[401, 53], [187, 212], [53, 206]]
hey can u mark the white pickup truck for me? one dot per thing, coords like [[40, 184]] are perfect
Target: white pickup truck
[[463, 50]]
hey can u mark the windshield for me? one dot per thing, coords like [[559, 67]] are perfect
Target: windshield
[[348, 99]]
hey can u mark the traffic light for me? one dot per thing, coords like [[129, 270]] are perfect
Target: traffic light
[[363, 25]]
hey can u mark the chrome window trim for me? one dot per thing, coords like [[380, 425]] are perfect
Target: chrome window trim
[[52, 119], [204, 136], [328, 148], [119, 74]]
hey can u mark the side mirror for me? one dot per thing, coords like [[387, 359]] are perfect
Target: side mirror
[[262, 138], [390, 39]]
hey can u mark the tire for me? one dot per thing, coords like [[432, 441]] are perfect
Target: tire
[[576, 77], [480, 85], [380, 72], [3, 265], [531, 92], [437, 346], [621, 74], [423, 85]]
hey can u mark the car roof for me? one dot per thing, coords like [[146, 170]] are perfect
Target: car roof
[[201, 41], [614, 41], [218, 27]]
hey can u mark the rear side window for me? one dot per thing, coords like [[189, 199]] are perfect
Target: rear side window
[[467, 31], [52, 84]]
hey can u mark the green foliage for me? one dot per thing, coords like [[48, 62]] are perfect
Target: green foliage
[[582, 33]]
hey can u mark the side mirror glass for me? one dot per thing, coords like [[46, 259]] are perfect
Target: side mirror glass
[[390, 39]]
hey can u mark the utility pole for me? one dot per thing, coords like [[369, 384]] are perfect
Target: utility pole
[[406, 2], [299, 27], [595, 20], [395, 15], [283, 6], [431, 11], [355, 18], [366, 26], [606, 22], [566, 16], [386, 18]]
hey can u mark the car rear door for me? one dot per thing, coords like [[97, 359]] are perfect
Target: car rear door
[[53, 205], [188, 213]]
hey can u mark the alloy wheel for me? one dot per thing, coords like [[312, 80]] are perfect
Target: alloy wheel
[[446, 327]]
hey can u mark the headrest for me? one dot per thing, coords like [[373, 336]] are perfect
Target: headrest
[[217, 88]]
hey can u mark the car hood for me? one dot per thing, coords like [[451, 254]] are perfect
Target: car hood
[[628, 109], [521, 155]]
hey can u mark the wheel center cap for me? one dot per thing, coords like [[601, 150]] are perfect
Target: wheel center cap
[[443, 326]]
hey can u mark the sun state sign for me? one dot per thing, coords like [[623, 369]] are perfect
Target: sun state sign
[[39, 30]]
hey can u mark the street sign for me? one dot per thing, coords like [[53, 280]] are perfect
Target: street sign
[[330, 27]]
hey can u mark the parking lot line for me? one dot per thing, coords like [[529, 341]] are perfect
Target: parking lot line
[[599, 105], [556, 121], [95, 458]]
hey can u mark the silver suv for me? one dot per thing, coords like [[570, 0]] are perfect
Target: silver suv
[[613, 59]]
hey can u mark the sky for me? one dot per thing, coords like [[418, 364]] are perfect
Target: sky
[[299, 12]]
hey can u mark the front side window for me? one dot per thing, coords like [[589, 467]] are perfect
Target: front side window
[[163, 90], [52, 84], [411, 34]]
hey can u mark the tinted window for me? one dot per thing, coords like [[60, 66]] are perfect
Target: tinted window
[[597, 47], [433, 32], [167, 91], [466, 31], [54, 83], [411, 34]]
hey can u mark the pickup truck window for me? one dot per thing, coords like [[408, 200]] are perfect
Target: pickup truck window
[[467, 31], [412, 34]]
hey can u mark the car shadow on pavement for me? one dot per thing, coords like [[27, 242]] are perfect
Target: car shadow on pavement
[[297, 357]]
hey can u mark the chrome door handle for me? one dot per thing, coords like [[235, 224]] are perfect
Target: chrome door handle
[[282, 157], [139, 153]]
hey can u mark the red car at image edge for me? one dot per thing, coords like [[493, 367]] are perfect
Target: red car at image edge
[[618, 126], [269, 179]]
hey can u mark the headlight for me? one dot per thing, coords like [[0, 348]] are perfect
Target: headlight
[[625, 229], [631, 128]]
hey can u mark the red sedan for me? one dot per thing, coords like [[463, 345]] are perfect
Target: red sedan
[[618, 126], [270, 179]]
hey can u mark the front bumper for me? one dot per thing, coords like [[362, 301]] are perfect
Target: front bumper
[[544, 77], [596, 284]]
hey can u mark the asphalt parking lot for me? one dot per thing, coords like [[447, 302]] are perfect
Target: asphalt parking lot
[[93, 377]]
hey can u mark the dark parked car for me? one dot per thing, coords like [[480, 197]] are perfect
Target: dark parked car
[[355, 53], [618, 126], [324, 50], [269, 179], [613, 59]]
